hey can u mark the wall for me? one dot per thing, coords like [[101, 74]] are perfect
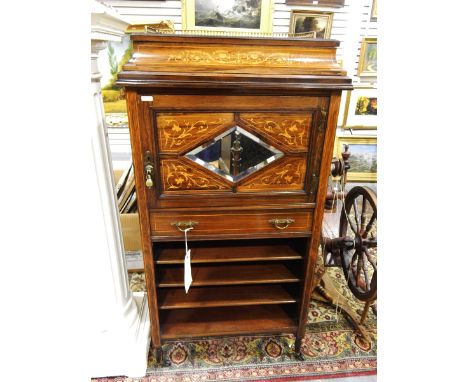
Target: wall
[[350, 24]]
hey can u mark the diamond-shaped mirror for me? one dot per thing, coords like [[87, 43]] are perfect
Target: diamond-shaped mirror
[[234, 154]]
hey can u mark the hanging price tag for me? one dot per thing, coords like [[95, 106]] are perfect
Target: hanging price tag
[[187, 264]]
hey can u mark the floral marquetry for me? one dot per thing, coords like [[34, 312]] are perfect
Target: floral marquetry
[[289, 131], [180, 176], [285, 175], [178, 132]]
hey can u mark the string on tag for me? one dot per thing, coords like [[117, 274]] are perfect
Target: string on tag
[[187, 263]]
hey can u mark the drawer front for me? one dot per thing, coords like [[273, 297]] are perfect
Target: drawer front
[[170, 225]]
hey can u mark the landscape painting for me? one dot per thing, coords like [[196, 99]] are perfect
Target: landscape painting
[[227, 15], [368, 57], [363, 158]]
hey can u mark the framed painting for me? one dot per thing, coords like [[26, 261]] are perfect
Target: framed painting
[[363, 159], [373, 15], [320, 3], [228, 15], [361, 109], [368, 58], [309, 21]]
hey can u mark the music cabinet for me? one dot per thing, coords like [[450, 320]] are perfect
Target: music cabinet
[[232, 137]]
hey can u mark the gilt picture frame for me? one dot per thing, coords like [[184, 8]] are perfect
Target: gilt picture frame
[[311, 21], [367, 66], [227, 16], [319, 3], [373, 16], [363, 159], [360, 111]]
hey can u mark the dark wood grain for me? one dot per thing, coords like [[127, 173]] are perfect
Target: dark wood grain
[[227, 275], [139, 137], [311, 259], [185, 323], [176, 298]]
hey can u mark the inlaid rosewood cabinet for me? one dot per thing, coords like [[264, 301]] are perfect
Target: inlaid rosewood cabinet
[[231, 137]]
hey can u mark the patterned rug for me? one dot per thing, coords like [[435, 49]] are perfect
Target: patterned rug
[[331, 348]]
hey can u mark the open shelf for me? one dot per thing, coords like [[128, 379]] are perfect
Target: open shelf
[[231, 274], [230, 251], [205, 297], [180, 323]]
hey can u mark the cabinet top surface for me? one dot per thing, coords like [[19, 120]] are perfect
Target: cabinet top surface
[[229, 59]]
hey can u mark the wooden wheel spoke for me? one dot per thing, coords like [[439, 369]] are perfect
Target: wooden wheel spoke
[[363, 214], [365, 270], [360, 272], [369, 225], [353, 228], [355, 208], [358, 269], [370, 259]]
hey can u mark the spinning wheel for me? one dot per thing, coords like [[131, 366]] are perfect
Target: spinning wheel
[[358, 225], [355, 249]]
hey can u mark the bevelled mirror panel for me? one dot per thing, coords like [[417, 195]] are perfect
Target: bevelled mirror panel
[[234, 154]]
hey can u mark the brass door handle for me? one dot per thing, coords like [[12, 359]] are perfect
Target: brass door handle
[[149, 175], [281, 223], [182, 226], [149, 168]]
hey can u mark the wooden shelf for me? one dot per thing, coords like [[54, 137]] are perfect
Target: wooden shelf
[[186, 323], [224, 253], [224, 296], [227, 275]]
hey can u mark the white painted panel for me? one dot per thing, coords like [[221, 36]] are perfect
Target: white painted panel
[[151, 11], [145, 4]]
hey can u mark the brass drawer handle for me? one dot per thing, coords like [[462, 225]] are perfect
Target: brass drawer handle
[[182, 226], [281, 223]]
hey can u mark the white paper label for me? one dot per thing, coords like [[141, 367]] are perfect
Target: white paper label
[[187, 264], [187, 271]]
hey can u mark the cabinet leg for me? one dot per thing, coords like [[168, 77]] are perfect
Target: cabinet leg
[[159, 355], [297, 349]]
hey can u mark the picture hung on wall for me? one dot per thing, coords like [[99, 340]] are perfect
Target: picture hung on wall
[[361, 109], [113, 97], [228, 15], [368, 58], [309, 21], [363, 159], [321, 3], [374, 11]]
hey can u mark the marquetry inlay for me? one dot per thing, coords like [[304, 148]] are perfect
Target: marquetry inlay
[[287, 174], [236, 57], [180, 176], [290, 131], [177, 132]]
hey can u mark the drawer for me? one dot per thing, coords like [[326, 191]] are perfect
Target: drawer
[[249, 224]]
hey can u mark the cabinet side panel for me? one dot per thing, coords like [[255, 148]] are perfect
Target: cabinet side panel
[[327, 154], [140, 126]]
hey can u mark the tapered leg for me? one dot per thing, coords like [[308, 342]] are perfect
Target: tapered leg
[[159, 355], [297, 349]]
